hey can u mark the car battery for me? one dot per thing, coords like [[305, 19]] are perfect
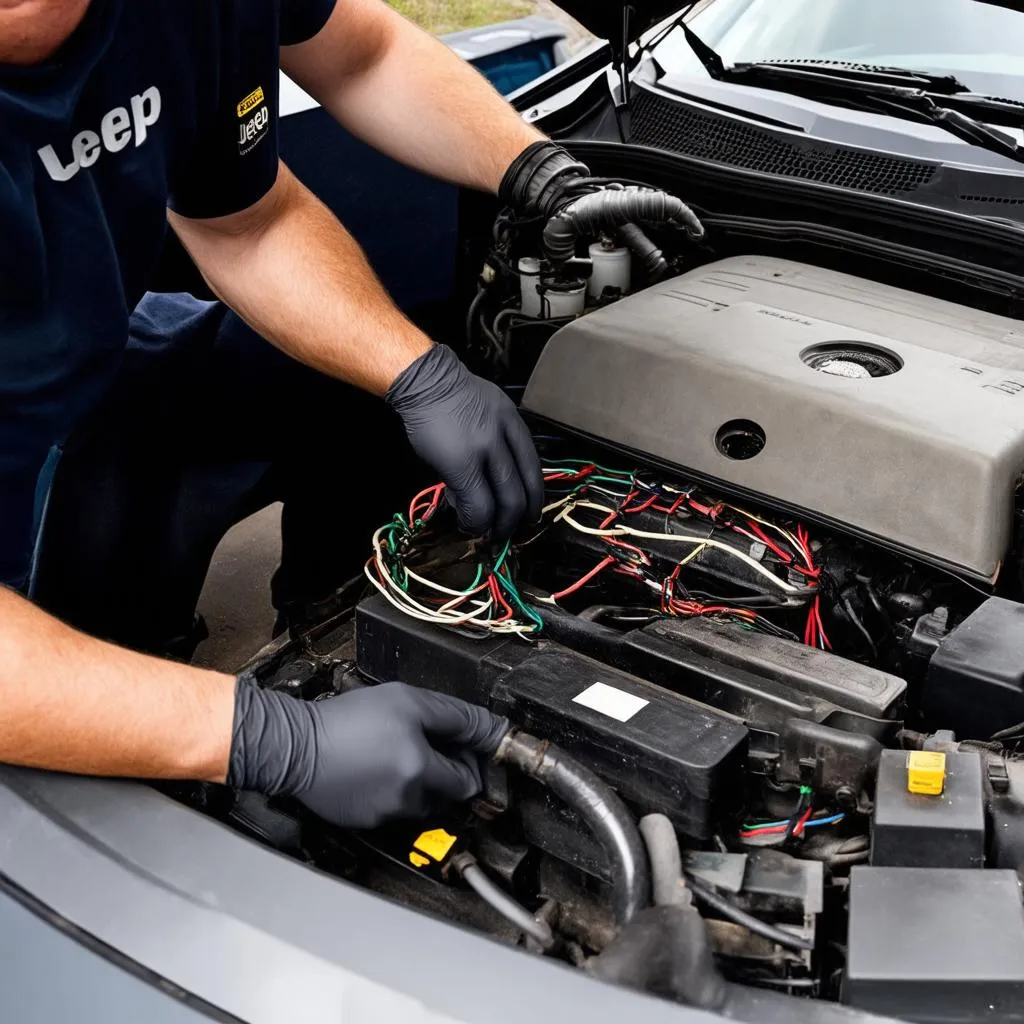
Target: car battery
[[929, 811], [936, 945], [659, 750]]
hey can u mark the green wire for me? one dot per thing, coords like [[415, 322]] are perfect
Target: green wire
[[510, 588], [501, 558], [587, 462]]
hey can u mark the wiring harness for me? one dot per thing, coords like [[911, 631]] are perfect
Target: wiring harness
[[587, 487], [490, 603], [603, 503]]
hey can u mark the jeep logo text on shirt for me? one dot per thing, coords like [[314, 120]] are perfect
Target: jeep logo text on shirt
[[117, 128], [252, 130]]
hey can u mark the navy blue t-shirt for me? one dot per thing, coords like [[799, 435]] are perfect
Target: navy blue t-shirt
[[151, 103]]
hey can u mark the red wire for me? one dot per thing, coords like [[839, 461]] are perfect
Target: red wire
[[765, 539], [821, 626], [582, 582], [420, 499], [500, 599], [643, 505]]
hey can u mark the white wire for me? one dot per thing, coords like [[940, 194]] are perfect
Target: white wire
[[404, 602], [628, 531]]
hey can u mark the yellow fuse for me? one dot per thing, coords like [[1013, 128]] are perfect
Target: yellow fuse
[[436, 843], [926, 772]]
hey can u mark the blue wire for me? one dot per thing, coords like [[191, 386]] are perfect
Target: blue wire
[[831, 820]]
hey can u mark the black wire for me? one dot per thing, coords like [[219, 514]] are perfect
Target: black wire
[[861, 628], [1009, 733], [708, 896]]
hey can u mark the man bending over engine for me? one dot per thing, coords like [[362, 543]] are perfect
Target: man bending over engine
[[119, 116]]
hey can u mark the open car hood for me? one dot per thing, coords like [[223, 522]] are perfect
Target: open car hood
[[607, 18]]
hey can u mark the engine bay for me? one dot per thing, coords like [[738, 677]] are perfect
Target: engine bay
[[763, 655]]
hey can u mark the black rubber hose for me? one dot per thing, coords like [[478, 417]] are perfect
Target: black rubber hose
[[650, 256], [583, 635], [665, 951], [710, 898], [667, 882], [599, 806], [610, 209]]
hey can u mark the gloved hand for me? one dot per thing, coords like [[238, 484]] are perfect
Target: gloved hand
[[471, 433], [543, 179], [546, 181], [365, 757]]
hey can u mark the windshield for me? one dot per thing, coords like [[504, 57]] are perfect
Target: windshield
[[980, 43]]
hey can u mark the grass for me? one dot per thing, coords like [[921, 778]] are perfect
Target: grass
[[440, 16]]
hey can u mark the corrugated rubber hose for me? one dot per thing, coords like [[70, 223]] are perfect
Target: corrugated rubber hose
[[599, 806], [609, 209]]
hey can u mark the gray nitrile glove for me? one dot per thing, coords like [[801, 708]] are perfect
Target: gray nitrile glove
[[365, 757], [470, 431]]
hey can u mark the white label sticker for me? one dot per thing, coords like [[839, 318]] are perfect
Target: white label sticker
[[609, 701]]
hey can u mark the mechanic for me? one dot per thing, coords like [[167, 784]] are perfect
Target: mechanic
[[118, 117]]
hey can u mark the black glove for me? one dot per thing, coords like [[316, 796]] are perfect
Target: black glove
[[471, 433], [543, 179], [546, 181], [365, 757]]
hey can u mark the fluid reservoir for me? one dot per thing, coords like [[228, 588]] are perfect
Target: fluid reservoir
[[611, 270], [562, 298], [529, 283]]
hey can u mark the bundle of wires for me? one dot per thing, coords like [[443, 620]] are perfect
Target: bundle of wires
[[491, 603], [607, 498], [581, 482], [769, 833]]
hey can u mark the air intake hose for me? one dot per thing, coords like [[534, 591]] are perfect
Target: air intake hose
[[609, 209], [599, 806]]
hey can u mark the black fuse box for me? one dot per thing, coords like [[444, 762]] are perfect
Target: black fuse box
[[936, 946], [945, 830], [976, 677], [661, 751]]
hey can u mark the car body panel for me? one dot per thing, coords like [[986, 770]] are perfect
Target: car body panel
[[261, 936]]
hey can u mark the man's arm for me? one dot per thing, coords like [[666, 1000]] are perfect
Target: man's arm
[[291, 271], [294, 274], [73, 703], [408, 95]]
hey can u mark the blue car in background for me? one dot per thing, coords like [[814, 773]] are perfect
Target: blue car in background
[[512, 53]]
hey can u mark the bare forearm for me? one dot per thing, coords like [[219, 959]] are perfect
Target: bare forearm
[[73, 703], [415, 100], [293, 273]]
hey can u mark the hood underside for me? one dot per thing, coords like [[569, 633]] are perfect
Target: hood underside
[[608, 18]]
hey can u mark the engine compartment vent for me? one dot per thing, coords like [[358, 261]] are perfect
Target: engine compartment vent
[[849, 359], [663, 123]]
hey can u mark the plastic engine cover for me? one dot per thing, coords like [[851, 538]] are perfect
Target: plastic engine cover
[[895, 414]]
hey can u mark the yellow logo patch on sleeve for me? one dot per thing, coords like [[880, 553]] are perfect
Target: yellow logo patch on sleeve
[[251, 102]]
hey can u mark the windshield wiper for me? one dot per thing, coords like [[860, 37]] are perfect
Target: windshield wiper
[[947, 110], [942, 100], [947, 85]]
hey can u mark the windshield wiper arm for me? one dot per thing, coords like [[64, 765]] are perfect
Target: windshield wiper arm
[[844, 71], [887, 98]]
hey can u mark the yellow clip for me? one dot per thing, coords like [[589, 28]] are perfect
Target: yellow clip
[[926, 772], [435, 844], [417, 860]]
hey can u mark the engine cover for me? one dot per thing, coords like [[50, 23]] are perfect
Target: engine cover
[[895, 414]]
